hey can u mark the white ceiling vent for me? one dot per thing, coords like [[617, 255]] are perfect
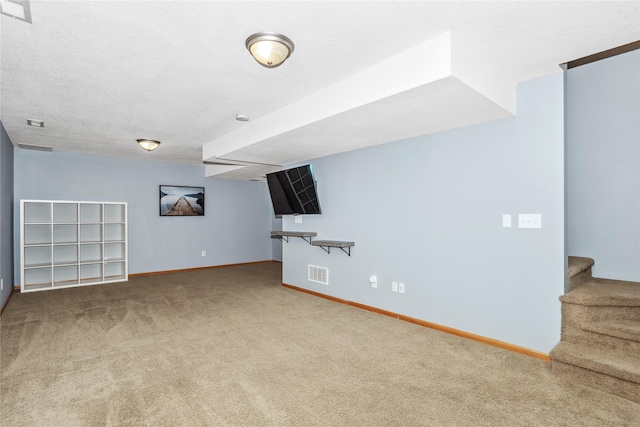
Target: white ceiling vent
[[318, 274], [18, 9]]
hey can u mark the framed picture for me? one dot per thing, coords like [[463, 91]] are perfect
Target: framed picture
[[176, 200]]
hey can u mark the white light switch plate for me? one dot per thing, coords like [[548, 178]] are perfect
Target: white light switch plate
[[298, 219], [530, 221], [506, 220]]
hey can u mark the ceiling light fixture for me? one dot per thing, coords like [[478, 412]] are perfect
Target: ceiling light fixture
[[269, 49], [148, 144], [242, 117]]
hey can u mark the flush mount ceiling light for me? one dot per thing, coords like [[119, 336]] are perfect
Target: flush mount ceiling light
[[242, 117], [269, 49], [148, 144]]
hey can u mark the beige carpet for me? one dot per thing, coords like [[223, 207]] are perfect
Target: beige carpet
[[231, 347]]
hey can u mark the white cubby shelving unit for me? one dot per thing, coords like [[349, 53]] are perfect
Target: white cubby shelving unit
[[66, 243]]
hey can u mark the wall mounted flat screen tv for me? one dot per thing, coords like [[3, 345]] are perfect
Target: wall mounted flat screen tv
[[293, 191]]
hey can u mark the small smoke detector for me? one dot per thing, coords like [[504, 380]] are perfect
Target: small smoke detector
[[242, 117], [36, 123]]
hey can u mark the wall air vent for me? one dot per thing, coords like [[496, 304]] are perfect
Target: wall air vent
[[18, 9], [318, 274]]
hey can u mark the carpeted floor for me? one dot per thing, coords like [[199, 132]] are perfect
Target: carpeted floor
[[231, 347]]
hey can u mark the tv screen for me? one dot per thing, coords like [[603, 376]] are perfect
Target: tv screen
[[293, 191]]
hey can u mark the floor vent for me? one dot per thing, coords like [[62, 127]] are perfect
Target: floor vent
[[318, 274]]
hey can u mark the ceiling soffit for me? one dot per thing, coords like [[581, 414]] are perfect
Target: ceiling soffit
[[402, 80]]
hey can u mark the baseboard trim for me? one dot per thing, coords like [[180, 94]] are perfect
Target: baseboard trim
[[183, 270], [485, 340], [6, 303]]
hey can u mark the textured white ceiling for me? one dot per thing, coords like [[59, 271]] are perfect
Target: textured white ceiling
[[102, 74]]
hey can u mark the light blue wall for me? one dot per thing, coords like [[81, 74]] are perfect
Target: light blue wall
[[603, 165], [276, 244], [6, 211], [235, 228], [428, 212]]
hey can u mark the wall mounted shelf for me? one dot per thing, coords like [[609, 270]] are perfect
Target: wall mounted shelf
[[284, 235], [326, 245]]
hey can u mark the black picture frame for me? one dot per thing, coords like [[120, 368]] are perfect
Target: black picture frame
[[181, 200]]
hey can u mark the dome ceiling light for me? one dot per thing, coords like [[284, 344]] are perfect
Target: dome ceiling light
[[269, 49], [148, 144]]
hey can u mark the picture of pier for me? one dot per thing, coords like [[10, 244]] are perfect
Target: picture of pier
[[181, 201]]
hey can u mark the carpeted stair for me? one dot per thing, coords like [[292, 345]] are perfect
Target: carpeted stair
[[600, 343]]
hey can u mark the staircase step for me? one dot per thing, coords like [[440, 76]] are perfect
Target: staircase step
[[613, 373], [605, 292], [624, 367], [626, 330], [578, 271], [607, 334], [577, 265]]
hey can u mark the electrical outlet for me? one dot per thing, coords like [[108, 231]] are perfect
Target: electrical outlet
[[204, 253], [401, 288], [394, 286]]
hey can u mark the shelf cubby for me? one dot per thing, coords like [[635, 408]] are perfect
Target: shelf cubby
[[65, 233], [37, 234], [65, 275], [91, 252], [114, 232], [114, 212], [91, 273], [37, 277], [65, 254], [37, 212], [37, 256], [90, 213], [90, 233], [65, 213], [113, 251], [114, 271]]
